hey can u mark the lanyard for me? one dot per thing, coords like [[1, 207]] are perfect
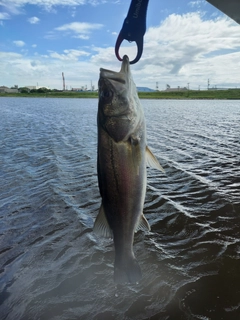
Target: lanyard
[[134, 27]]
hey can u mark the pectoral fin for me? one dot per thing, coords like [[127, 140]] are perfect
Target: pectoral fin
[[101, 226], [143, 224], [152, 160]]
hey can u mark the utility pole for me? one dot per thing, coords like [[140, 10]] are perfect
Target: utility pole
[[63, 81]]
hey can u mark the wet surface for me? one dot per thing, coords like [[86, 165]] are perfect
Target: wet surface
[[51, 264]]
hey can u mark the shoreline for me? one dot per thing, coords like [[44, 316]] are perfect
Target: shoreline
[[230, 94]]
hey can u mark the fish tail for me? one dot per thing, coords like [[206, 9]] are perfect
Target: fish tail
[[129, 271]]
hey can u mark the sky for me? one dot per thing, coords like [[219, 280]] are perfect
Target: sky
[[187, 44]]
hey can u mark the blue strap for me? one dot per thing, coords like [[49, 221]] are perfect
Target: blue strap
[[134, 27]]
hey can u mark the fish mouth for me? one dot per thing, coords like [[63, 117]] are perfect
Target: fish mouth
[[125, 68], [120, 76]]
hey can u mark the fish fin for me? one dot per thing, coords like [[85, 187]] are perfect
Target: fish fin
[[152, 160], [127, 272], [101, 226], [143, 224]]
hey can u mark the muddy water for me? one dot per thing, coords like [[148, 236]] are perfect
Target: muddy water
[[51, 264]]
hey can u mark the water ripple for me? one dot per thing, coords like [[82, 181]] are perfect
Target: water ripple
[[51, 264]]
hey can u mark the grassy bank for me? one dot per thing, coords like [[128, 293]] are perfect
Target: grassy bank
[[191, 94], [52, 94]]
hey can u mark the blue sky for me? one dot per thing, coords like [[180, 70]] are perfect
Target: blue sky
[[186, 42]]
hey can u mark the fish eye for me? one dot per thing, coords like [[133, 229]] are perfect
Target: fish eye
[[106, 94]]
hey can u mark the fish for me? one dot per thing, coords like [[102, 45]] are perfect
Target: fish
[[122, 157]]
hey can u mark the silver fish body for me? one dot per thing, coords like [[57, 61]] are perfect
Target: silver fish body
[[122, 160]]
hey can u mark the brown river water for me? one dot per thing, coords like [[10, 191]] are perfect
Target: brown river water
[[52, 266]]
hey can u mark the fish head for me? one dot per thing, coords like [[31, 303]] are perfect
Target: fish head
[[119, 110]]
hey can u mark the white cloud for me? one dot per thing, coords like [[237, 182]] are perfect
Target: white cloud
[[4, 16], [73, 14], [15, 6], [182, 49], [50, 35], [196, 3], [19, 43], [43, 3], [46, 70], [96, 2], [72, 55], [33, 20], [34, 45], [79, 29], [186, 39], [81, 36]]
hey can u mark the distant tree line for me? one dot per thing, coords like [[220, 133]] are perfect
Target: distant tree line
[[40, 90]]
